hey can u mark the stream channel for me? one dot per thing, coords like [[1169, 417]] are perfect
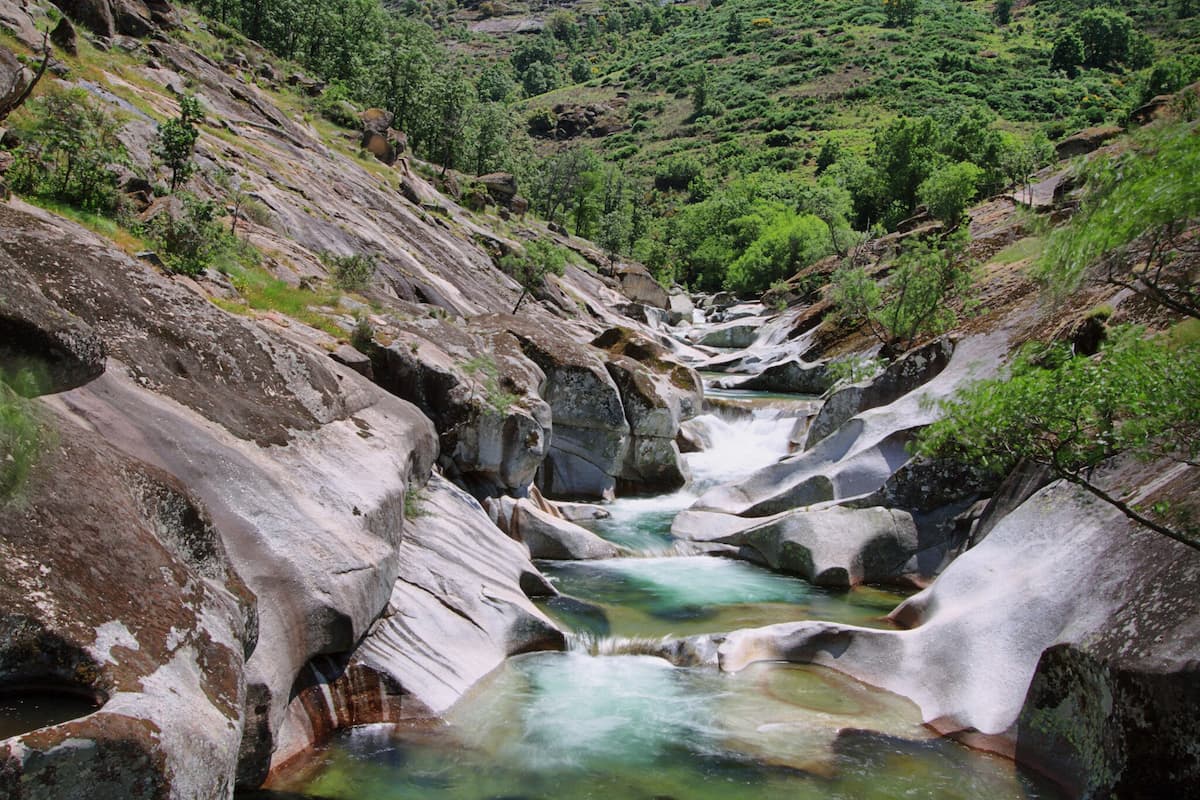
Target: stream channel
[[595, 723]]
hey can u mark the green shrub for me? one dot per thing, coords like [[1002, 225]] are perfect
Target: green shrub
[[69, 141], [362, 338], [21, 436], [949, 189], [189, 235], [350, 273]]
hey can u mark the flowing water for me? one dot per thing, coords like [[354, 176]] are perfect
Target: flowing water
[[576, 726]]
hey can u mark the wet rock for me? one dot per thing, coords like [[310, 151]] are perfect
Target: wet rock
[[1096, 685], [456, 610], [481, 393], [834, 546], [791, 376], [547, 534]]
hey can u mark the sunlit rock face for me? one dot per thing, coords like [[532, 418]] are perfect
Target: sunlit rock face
[[1000, 652], [301, 463], [116, 587]]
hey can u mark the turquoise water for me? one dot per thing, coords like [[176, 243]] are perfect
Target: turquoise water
[[685, 596], [573, 726], [576, 727]]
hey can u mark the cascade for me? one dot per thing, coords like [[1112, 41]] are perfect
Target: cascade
[[612, 717]]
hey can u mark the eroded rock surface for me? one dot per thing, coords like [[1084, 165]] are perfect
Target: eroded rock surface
[[113, 582], [1030, 640]]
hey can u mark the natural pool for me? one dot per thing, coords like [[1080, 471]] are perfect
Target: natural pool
[[573, 726]]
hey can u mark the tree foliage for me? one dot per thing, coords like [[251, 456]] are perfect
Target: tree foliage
[[1131, 229], [1071, 413], [530, 268], [948, 190], [918, 298], [177, 141], [69, 142]]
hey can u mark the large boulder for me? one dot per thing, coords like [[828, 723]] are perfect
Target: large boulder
[[789, 376], [535, 522], [658, 395], [302, 463], [834, 546], [457, 609], [591, 433], [1067, 638], [111, 17], [1086, 140], [115, 587], [639, 285], [900, 378], [482, 394], [735, 334]]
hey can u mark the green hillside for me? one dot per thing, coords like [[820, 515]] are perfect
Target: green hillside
[[730, 144]]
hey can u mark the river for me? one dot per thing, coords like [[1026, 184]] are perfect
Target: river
[[601, 721]]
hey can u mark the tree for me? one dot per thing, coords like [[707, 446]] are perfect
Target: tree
[[1133, 228], [1067, 54], [1003, 12], [492, 131], [829, 203], [530, 268], [899, 13], [735, 28], [949, 189], [1071, 414], [448, 115], [177, 141], [917, 298], [69, 141], [1106, 35]]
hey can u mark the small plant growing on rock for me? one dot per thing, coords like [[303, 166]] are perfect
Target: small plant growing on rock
[[853, 369], [485, 383], [414, 501], [363, 335], [350, 273]]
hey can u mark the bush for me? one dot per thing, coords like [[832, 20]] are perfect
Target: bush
[[350, 273], [189, 234], [69, 142], [949, 189], [363, 335]]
